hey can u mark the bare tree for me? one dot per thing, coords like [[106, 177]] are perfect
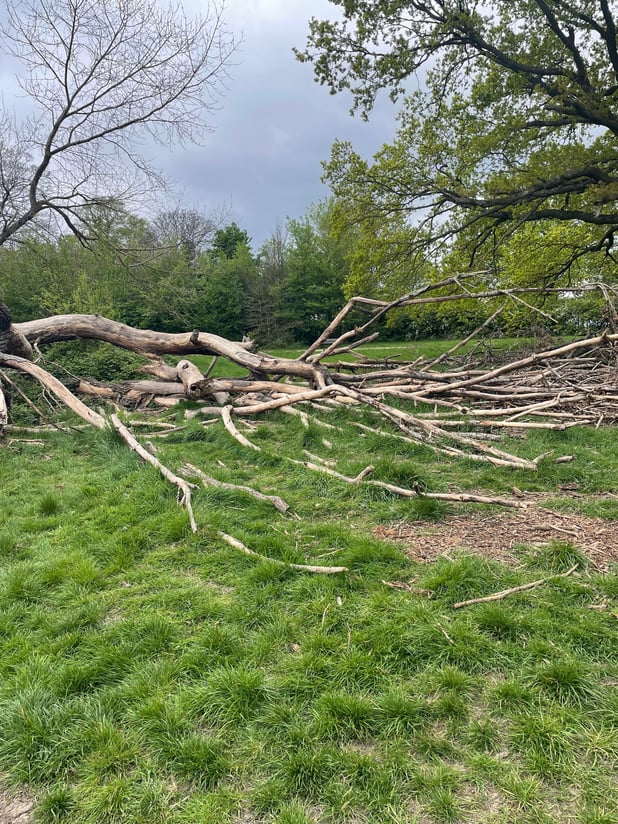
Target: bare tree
[[186, 229], [102, 76]]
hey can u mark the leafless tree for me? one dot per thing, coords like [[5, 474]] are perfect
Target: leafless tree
[[186, 229], [103, 78]]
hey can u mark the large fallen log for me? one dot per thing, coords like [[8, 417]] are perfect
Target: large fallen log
[[450, 404], [95, 327]]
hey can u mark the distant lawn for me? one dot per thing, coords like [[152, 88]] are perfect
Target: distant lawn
[[153, 676], [405, 351]]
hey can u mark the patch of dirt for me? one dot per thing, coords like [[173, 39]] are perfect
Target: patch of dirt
[[496, 534], [15, 809]]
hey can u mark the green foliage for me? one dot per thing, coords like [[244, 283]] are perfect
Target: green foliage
[[316, 269], [91, 359], [265, 289], [227, 241], [219, 304], [511, 127], [161, 278]]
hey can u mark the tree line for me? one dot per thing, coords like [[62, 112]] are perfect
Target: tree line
[[504, 162], [186, 270], [183, 271]]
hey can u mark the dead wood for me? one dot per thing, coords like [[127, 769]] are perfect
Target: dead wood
[[279, 504], [226, 415], [12, 340], [4, 412], [55, 386], [321, 570], [183, 486], [472, 403], [32, 405], [95, 327], [498, 596], [190, 377], [409, 493]]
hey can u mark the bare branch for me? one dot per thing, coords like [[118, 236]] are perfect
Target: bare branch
[[102, 74]]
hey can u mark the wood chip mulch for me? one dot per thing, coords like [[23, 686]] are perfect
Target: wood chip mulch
[[496, 535]]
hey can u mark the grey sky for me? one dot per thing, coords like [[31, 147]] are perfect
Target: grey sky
[[275, 126]]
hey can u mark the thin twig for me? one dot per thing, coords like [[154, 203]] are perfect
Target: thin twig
[[497, 596], [323, 570]]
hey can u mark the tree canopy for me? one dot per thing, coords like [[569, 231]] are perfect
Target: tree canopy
[[510, 117]]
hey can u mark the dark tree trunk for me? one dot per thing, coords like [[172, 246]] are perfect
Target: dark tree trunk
[[11, 339]]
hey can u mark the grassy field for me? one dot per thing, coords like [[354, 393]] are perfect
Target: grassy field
[[151, 675]]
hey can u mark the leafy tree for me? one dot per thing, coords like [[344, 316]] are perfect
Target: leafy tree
[[515, 120], [379, 250], [99, 75], [317, 270], [227, 240], [222, 296], [33, 272], [265, 290]]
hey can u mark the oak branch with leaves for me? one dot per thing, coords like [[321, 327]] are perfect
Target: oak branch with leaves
[[510, 118]]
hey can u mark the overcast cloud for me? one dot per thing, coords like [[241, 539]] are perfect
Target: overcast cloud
[[275, 126]]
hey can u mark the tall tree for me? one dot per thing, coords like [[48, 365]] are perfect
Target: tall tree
[[515, 121], [317, 270], [223, 295], [99, 76], [227, 240], [264, 294]]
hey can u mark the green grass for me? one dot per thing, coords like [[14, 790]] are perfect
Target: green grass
[[151, 675]]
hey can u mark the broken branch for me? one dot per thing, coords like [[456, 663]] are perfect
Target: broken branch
[[323, 570], [183, 486], [498, 596]]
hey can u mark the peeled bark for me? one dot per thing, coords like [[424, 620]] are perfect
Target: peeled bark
[[4, 412], [96, 327]]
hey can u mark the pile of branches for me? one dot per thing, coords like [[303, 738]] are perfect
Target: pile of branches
[[454, 404], [568, 385]]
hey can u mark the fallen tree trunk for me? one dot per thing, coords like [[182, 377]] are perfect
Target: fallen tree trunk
[[446, 409], [95, 327], [472, 404]]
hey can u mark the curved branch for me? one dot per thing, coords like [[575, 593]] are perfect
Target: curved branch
[[95, 327], [55, 386], [183, 486]]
